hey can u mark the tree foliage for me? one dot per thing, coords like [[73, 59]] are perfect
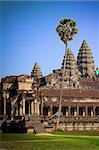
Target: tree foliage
[[67, 29]]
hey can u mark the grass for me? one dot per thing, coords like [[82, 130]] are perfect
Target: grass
[[61, 132], [45, 142]]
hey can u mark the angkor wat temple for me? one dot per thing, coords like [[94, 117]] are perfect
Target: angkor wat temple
[[30, 103]]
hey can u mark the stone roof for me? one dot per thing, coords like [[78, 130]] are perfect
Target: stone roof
[[9, 79], [90, 81], [24, 77], [71, 93]]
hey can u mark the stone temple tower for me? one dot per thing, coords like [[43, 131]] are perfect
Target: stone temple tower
[[72, 74], [85, 61], [36, 72]]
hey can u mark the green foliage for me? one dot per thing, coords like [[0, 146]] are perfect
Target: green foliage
[[97, 72], [67, 29], [58, 131]]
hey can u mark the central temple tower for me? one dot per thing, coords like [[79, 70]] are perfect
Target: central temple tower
[[72, 73]]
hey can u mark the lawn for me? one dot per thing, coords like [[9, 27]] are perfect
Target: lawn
[[46, 142]]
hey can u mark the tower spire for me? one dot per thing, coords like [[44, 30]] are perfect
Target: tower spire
[[36, 72], [72, 74], [85, 61]]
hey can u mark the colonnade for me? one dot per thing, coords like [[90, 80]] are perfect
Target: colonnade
[[30, 107], [34, 107], [72, 110]]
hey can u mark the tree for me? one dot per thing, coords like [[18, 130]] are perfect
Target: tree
[[66, 30]]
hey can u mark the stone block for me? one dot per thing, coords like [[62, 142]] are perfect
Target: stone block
[[69, 127]]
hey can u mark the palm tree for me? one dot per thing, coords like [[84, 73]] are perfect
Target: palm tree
[[66, 30]]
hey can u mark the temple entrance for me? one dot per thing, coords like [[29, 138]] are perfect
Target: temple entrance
[[89, 111], [26, 107], [72, 111], [8, 108], [45, 111]]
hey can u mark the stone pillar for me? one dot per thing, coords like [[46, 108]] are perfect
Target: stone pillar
[[29, 107], [5, 97], [4, 106], [69, 110], [49, 112], [37, 111], [12, 110], [77, 110], [23, 106], [51, 109], [32, 108], [37, 107], [94, 111], [86, 110], [20, 108], [17, 111], [42, 108]]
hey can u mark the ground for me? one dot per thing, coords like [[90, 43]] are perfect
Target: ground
[[48, 142]]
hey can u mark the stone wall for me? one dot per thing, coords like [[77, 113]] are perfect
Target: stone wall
[[25, 85], [90, 126], [7, 85]]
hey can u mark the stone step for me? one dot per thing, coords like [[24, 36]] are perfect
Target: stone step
[[36, 124]]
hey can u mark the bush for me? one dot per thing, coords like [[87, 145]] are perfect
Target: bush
[[58, 131]]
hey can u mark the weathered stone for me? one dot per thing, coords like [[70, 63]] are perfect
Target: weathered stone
[[36, 72], [25, 97], [85, 61], [71, 77]]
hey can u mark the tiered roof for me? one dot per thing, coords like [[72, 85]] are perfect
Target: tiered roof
[[72, 73], [85, 61], [70, 93], [71, 77], [36, 72]]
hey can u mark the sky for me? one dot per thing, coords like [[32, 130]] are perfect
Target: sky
[[28, 34]]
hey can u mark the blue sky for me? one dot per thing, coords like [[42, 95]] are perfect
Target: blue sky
[[28, 35]]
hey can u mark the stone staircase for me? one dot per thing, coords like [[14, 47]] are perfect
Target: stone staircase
[[35, 123], [53, 118]]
